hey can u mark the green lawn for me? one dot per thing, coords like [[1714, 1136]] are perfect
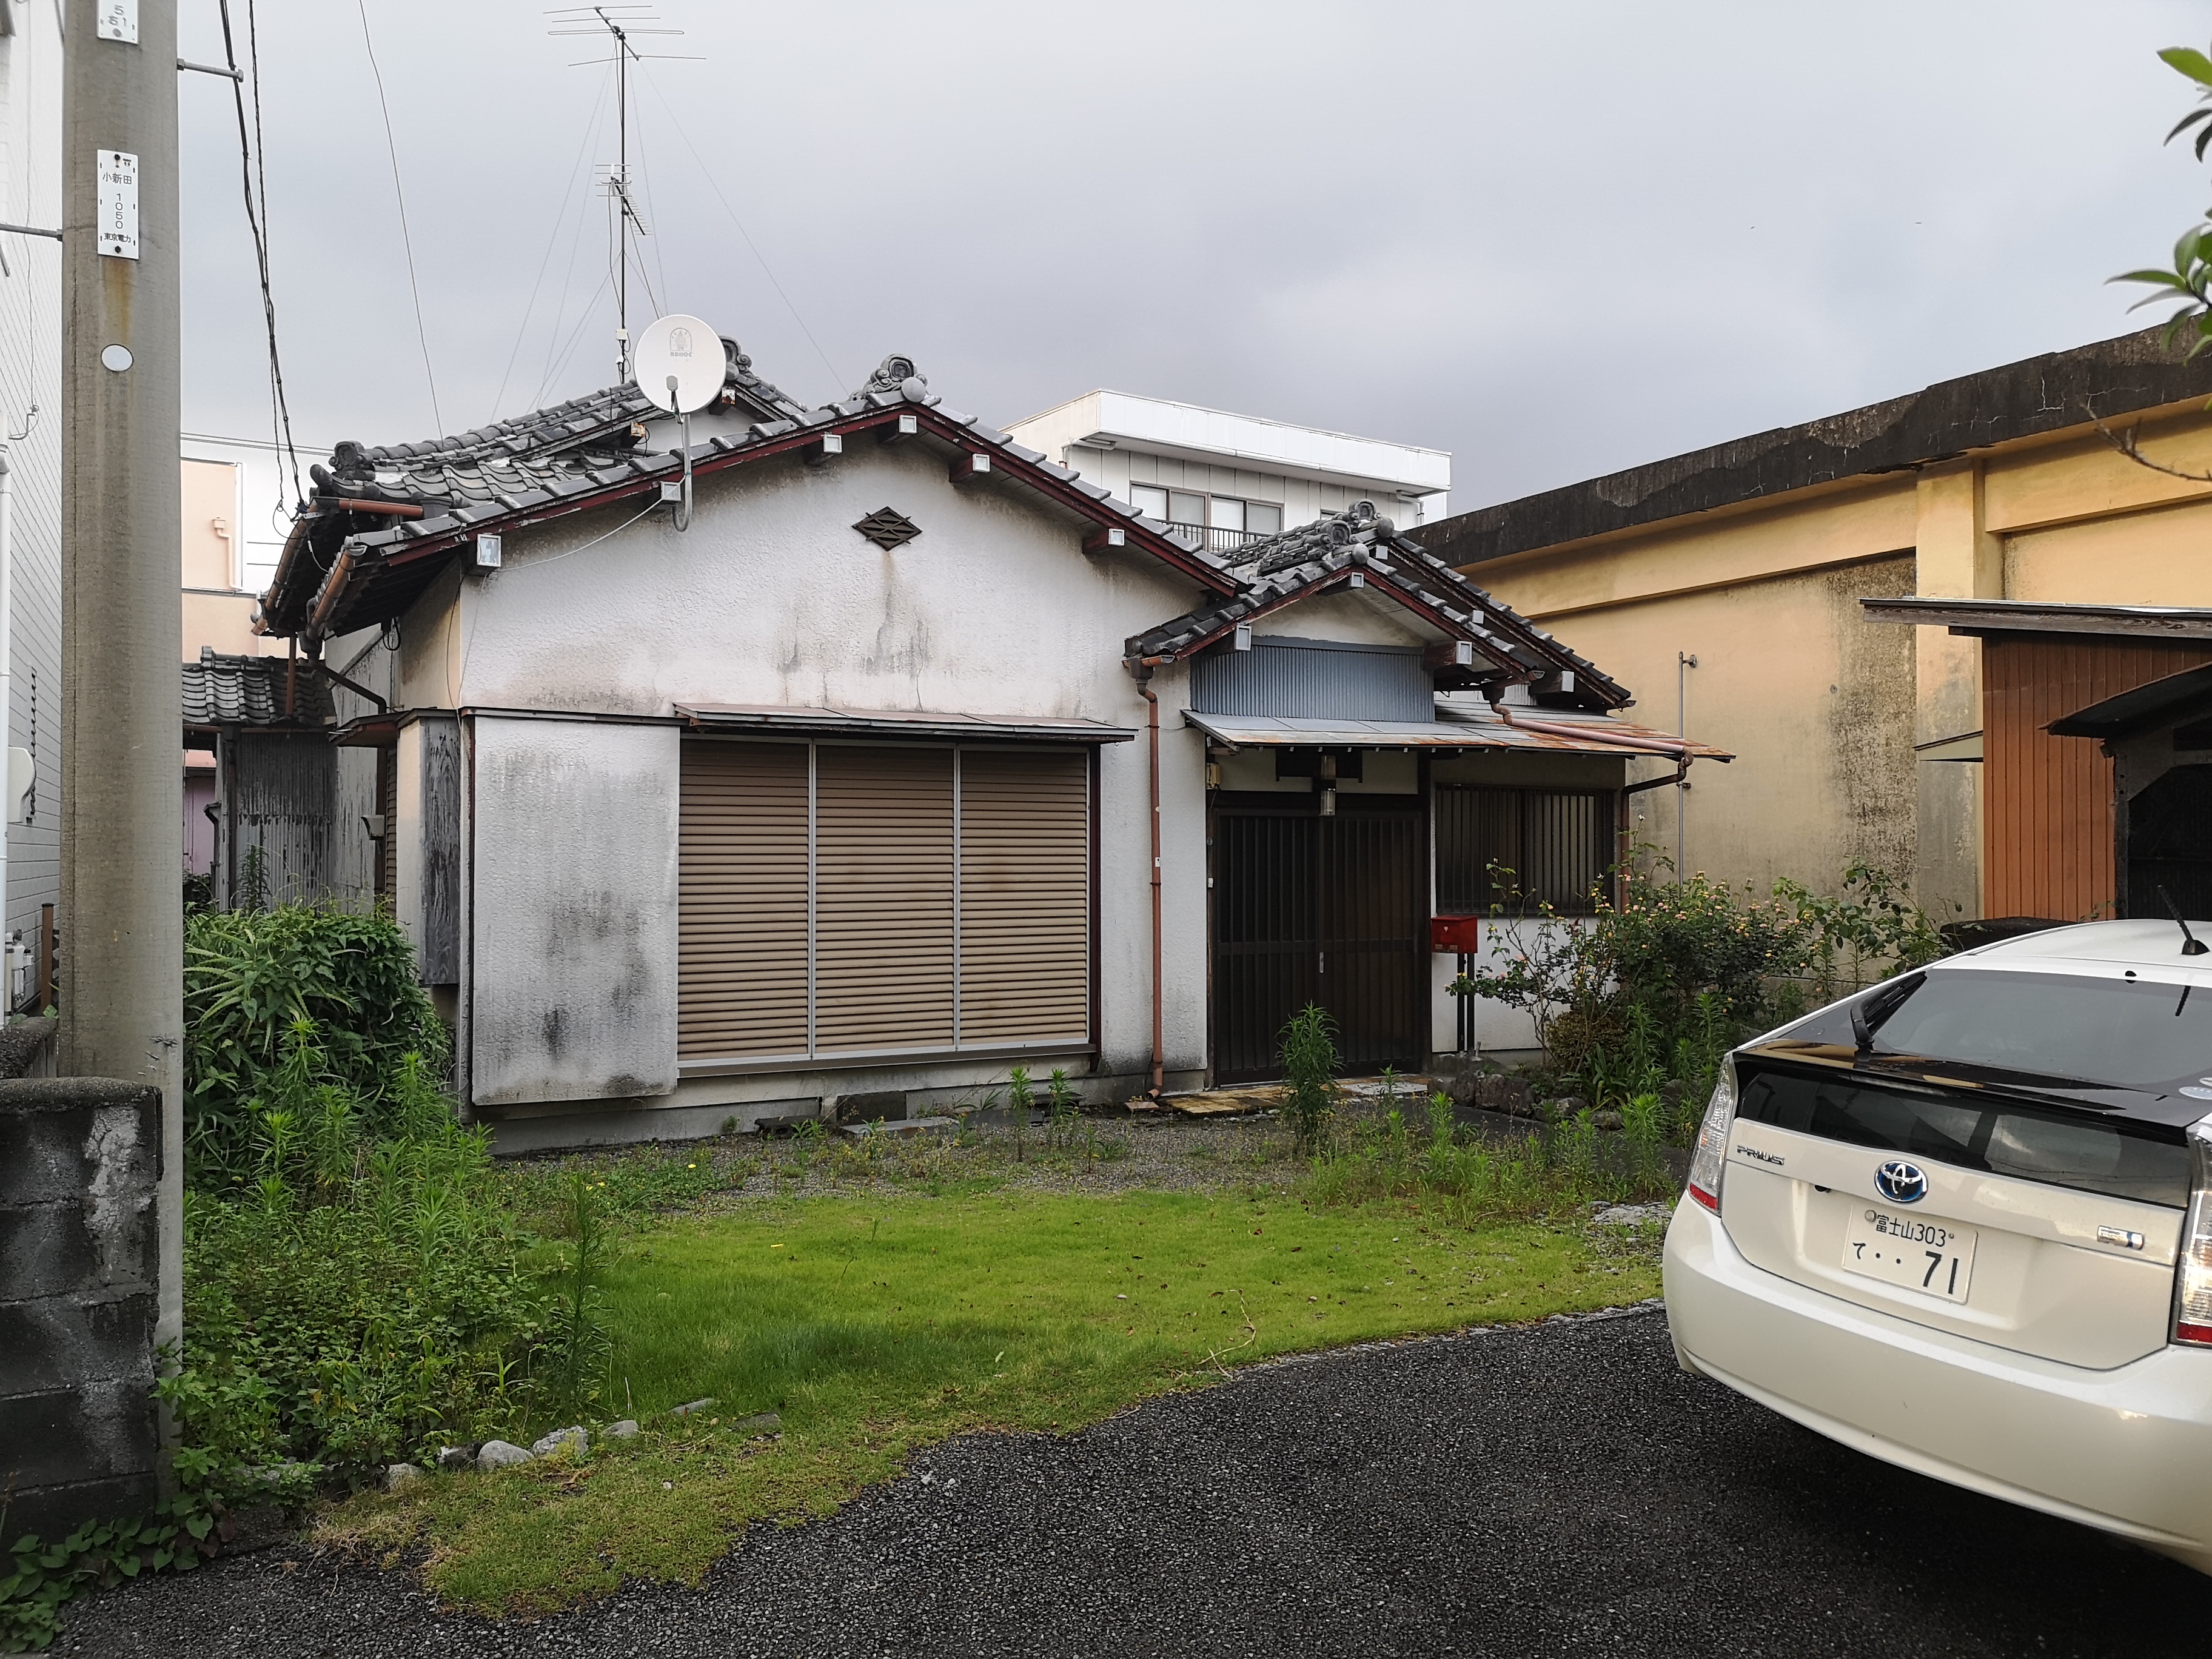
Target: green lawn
[[879, 1325]]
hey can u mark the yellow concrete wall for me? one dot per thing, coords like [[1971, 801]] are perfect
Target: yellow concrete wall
[[1823, 706], [1817, 705]]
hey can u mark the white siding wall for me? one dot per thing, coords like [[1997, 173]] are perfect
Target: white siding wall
[[30, 371]]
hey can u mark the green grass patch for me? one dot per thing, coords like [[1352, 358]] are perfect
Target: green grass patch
[[879, 1325]]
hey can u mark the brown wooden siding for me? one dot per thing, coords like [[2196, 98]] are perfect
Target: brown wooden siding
[[2047, 802]]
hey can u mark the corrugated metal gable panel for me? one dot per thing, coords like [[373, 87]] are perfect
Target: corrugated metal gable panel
[[1314, 680]]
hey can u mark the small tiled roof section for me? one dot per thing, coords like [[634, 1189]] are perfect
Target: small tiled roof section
[[224, 690], [1279, 569], [355, 557]]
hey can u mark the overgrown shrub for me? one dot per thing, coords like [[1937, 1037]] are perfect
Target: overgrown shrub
[[1644, 996], [362, 1301], [279, 1004]]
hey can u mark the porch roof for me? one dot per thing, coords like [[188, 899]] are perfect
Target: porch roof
[[1978, 617], [2142, 708], [1457, 726]]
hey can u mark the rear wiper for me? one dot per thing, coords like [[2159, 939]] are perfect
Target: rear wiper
[[1869, 1013]]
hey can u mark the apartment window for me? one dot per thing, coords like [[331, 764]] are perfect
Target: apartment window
[[1229, 521], [855, 900], [1558, 843]]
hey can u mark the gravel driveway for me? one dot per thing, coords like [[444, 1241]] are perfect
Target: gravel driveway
[[1561, 1490]]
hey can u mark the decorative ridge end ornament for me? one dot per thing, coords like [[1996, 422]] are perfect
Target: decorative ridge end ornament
[[888, 528], [896, 374]]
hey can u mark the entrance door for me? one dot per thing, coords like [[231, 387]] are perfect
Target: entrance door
[[1325, 910]]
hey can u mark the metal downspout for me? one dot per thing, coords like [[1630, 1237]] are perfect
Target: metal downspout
[[1152, 738]]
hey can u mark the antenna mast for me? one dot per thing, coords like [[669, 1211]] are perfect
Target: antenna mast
[[620, 22]]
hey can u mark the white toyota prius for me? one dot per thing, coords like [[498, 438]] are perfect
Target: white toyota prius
[[1963, 1222]]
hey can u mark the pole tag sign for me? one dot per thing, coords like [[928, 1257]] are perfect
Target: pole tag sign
[[117, 223], [117, 19]]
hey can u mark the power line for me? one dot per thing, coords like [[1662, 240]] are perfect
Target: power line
[[714, 185], [255, 182], [590, 129], [406, 241]]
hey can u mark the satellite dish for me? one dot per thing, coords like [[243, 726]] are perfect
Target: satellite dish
[[678, 364]]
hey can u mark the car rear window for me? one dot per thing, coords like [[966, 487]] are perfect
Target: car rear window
[[2123, 1033], [2119, 1157]]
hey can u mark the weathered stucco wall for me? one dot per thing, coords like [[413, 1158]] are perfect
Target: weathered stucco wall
[[572, 973], [771, 599], [1753, 574], [1817, 705]]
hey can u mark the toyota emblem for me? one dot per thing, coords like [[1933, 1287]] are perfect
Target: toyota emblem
[[1901, 1183]]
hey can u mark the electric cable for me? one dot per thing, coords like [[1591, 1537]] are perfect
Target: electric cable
[[544, 263], [257, 215], [407, 240], [714, 185]]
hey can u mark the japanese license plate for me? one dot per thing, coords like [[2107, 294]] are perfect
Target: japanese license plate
[[1922, 1253]]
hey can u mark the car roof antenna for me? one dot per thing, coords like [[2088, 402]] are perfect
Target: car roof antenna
[[2191, 945]]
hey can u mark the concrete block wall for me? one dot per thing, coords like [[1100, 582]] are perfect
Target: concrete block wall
[[80, 1163]]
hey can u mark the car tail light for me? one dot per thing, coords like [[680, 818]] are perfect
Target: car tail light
[[1711, 1156], [2192, 1280]]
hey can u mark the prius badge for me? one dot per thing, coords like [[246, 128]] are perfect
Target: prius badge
[[1901, 1183]]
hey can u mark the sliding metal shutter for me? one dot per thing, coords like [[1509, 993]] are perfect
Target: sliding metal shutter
[[1024, 896], [884, 898], [742, 894]]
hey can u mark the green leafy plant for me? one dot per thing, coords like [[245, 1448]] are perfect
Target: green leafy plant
[[1307, 1052], [37, 1579], [578, 1347], [1059, 1106], [280, 1004]]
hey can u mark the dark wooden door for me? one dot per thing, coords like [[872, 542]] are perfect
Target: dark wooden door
[[1318, 909]]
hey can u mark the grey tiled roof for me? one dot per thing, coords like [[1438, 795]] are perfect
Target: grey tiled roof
[[225, 691], [1278, 569], [548, 462]]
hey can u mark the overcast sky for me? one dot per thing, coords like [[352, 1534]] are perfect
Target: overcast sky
[[1555, 240]]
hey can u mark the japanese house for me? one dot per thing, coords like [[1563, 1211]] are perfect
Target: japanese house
[[915, 756]]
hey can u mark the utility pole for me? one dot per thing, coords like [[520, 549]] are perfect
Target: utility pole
[[121, 915]]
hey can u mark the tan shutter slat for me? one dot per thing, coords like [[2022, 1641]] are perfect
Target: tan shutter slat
[[1024, 896], [741, 934], [882, 928]]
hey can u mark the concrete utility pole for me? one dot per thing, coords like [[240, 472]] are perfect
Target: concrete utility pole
[[121, 914]]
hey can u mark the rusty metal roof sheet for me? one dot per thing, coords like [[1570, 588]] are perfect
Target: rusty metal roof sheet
[[1457, 726]]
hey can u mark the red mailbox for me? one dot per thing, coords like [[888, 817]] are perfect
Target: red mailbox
[[1454, 935]]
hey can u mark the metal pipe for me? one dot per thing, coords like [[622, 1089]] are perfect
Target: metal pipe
[[1152, 731], [32, 230], [333, 585], [355, 504]]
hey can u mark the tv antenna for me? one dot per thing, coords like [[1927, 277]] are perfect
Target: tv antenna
[[621, 24]]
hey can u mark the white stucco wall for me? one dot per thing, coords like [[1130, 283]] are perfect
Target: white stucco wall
[[771, 599], [571, 931]]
